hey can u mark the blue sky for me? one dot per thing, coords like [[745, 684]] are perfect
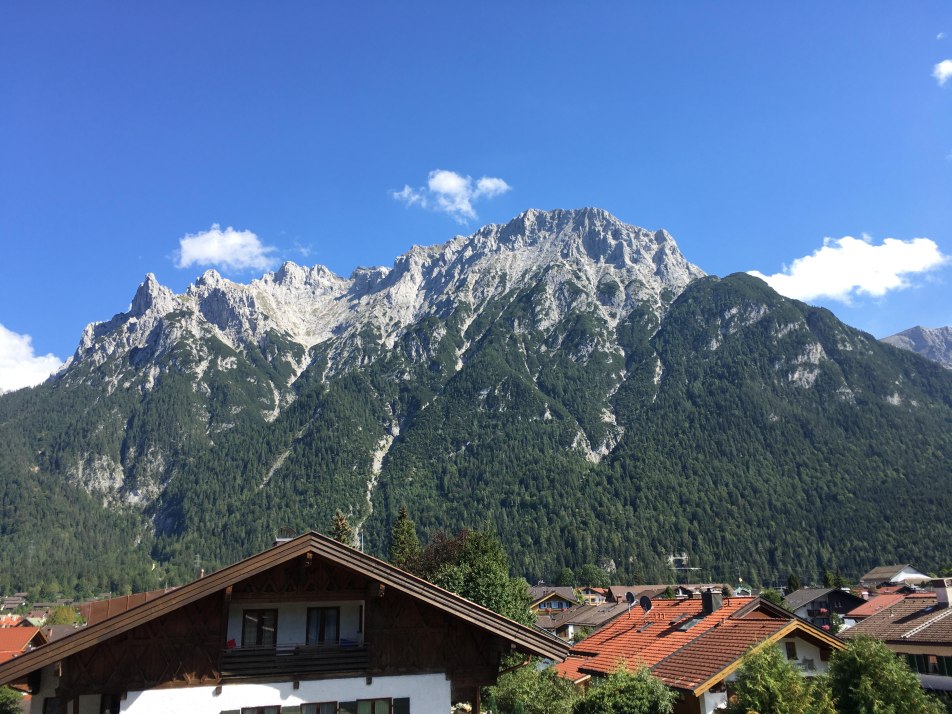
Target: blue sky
[[755, 133]]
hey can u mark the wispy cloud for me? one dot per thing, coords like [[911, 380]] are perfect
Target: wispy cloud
[[452, 193], [942, 71], [846, 267], [228, 249], [940, 36], [19, 367]]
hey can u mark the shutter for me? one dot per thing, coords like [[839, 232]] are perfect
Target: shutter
[[401, 706], [293, 709]]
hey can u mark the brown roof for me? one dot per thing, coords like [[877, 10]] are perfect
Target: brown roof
[[538, 593], [885, 573], [588, 615], [525, 639], [914, 619]]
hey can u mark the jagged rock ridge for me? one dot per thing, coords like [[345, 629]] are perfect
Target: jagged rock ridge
[[932, 343]]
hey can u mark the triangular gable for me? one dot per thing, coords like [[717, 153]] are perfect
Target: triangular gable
[[526, 639]]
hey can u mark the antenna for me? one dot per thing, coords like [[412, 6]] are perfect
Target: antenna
[[630, 599]]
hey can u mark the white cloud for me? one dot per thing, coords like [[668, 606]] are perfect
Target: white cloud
[[942, 71], [451, 193], [19, 367], [846, 267], [940, 36], [228, 249]]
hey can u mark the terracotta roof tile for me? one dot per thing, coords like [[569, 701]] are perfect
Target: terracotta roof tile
[[874, 605], [915, 618]]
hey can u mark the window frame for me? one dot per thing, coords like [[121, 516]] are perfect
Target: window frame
[[321, 611], [319, 705], [790, 648], [259, 629]]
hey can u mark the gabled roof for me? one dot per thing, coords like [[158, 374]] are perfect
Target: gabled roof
[[98, 610], [682, 646], [916, 619], [885, 573], [15, 640], [540, 593], [526, 639], [804, 596]]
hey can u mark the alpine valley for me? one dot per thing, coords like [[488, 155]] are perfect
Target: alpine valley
[[566, 379]]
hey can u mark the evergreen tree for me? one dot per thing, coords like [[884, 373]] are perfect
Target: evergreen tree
[[793, 583], [565, 577], [868, 677], [593, 576], [341, 530], [404, 544]]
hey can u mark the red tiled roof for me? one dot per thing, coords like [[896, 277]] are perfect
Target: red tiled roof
[[681, 645], [874, 605], [15, 640]]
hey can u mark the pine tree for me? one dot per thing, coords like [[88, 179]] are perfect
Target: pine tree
[[404, 544], [341, 530]]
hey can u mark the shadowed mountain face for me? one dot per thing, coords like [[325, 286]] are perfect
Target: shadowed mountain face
[[931, 343], [569, 380]]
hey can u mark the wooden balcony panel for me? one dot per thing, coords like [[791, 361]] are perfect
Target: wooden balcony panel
[[250, 662]]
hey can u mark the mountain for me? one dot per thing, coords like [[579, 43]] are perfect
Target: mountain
[[932, 343], [565, 378]]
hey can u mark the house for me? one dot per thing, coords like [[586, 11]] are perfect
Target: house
[[875, 604], [894, 574], [817, 605], [552, 597], [15, 641], [695, 645], [919, 628], [619, 593], [578, 620], [593, 596], [307, 626]]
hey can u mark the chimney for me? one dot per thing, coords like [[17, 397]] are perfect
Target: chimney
[[943, 591], [711, 601]]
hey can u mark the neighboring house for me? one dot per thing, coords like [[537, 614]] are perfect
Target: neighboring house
[[15, 641], [619, 593], [818, 604], [10, 620], [552, 597], [918, 627], [695, 645], [583, 618], [894, 574], [309, 626], [593, 596]]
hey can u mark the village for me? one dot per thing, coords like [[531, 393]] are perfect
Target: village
[[314, 626]]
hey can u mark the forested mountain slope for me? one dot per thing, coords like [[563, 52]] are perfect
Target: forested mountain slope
[[565, 378]]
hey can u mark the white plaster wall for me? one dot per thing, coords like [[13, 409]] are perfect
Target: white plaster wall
[[712, 701], [805, 650], [292, 620], [428, 693]]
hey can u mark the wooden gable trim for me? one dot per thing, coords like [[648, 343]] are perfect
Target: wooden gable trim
[[795, 624], [531, 641]]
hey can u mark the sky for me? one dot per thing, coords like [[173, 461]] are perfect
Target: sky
[[809, 143]]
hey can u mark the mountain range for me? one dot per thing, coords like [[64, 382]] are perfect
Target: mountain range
[[570, 381]]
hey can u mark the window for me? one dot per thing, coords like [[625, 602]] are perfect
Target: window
[[109, 704], [261, 710], [319, 708], [373, 706], [259, 629], [323, 625], [54, 705], [791, 648]]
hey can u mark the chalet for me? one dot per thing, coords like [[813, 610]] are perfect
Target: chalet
[[904, 574], [552, 597], [818, 605], [309, 626], [695, 645], [15, 641], [919, 628]]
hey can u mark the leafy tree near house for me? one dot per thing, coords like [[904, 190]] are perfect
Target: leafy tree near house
[[868, 677], [793, 582], [536, 691], [404, 544], [771, 595], [768, 683], [625, 692], [63, 615], [591, 575], [11, 701], [565, 577]]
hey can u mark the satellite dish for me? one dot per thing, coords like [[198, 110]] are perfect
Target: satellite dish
[[630, 597], [645, 603]]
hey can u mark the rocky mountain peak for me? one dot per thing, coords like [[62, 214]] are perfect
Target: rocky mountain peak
[[933, 343]]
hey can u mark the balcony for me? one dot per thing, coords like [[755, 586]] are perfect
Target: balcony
[[293, 660]]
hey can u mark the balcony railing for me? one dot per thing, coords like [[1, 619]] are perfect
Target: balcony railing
[[292, 659]]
